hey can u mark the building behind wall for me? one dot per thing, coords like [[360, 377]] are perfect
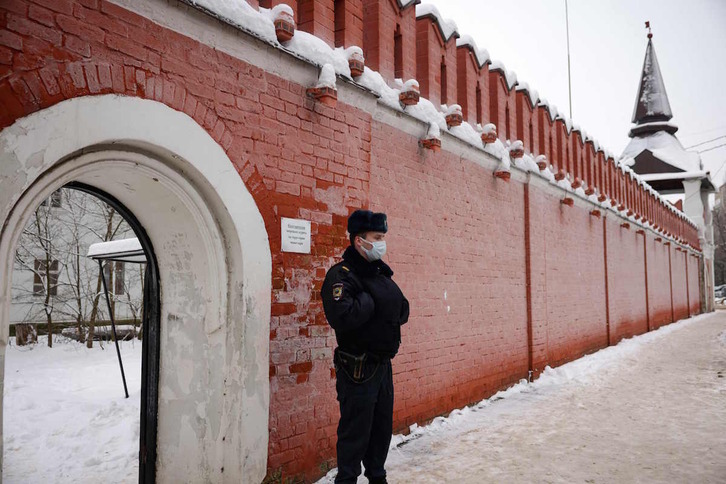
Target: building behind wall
[[510, 263], [656, 154], [71, 221]]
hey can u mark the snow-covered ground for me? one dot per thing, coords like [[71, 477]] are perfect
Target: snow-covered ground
[[65, 418], [650, 409]]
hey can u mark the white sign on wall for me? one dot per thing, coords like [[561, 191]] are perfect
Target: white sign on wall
[[296, 235]]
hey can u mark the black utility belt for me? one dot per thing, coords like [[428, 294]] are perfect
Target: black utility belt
[[359, 368]]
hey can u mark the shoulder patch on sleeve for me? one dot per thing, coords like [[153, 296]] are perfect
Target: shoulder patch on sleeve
[[337, 291]]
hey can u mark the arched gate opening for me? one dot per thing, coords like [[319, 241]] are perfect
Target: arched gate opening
[[213, 266]]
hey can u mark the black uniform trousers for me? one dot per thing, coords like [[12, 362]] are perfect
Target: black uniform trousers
[[366, 422]]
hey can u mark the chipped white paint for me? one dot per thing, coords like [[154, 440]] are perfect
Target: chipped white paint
[[214, 259]]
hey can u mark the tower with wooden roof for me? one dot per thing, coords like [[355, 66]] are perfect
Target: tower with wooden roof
[[656, 154]]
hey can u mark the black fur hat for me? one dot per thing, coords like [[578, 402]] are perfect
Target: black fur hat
[[366, 221]]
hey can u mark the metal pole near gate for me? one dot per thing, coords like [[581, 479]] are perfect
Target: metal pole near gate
[[113, 327]]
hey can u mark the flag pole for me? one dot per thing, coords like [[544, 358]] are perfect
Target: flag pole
[[569, 78]]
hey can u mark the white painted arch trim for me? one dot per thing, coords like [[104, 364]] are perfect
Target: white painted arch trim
[[89, 137]]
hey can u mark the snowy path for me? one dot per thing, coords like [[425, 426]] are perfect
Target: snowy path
[[649, 410], [65, 418]]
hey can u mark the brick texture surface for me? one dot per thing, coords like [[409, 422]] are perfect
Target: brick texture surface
[[503, 278], [568, 283], [694, 296], [680, 284], [435, 63], [457, 246], [626, 281], [659, 284], [472, 86]]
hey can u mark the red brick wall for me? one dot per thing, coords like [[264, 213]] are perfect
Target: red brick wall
[[544, 133], [502, 106], [381, 20], [348, 23], [468, 77], [680, 296], [576, 153], [524, 117], [626, 281], [467, 336], [694, 288], [318, 18], [659, 284], [562, 143], [592, 177], [433, 51], [455, 229], [568, 283]]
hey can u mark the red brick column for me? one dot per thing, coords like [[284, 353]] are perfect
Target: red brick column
[[348, 23], [389, 38], [318, 18]]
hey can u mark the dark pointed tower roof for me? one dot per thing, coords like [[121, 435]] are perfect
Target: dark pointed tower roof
[[654, 148], [652, 110]]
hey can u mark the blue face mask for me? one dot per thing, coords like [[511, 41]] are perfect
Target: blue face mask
[[377, 250]]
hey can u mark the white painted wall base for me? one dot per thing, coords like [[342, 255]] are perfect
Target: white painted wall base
[[214, 260]]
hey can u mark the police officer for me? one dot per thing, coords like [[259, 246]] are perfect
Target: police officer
[[366, 309]]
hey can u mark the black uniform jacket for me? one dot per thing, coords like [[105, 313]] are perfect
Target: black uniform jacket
[[364, 306]]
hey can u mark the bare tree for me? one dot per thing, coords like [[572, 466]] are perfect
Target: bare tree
[[76, 274], [54, 247], [37, 253], [135, 304]]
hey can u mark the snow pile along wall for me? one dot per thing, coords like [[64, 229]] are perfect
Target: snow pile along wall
[[512, 261]]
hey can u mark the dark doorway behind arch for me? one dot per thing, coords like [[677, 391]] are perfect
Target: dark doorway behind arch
[[151, 343]]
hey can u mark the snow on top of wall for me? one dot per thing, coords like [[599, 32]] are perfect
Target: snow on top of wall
[[355, 53], [532, 93], [327, 77], [452, 109], [316, 51], [482, 55], [497, 65], [242, 15], [405, 3], [551, 108], [410, 85], [598, 146], [566, 120], [510, 76], [434, 130], [282, 11], [446, 26]]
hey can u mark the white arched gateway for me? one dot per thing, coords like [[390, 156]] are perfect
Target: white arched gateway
[[213, 258]]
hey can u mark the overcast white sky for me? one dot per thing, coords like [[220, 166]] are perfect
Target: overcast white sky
[[607, 47]]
